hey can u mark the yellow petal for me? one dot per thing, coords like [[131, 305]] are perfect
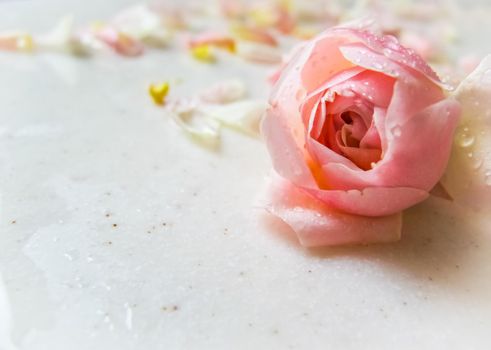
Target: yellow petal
[[158, 92], [203, 53]]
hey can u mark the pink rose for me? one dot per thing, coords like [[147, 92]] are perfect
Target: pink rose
[[359, 129]]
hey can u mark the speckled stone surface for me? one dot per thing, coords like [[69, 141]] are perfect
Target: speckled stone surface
[[117, 232]]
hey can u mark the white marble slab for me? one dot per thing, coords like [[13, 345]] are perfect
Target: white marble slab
[[117, 232]]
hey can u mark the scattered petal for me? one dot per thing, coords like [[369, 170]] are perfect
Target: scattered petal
[[158, 92], [243, 116], [120, 42], [203, 53], [197, 126], [61, 38], [143, 24], [258, 35], [258, 53], [16, 41], [213, 39], [224, 92]]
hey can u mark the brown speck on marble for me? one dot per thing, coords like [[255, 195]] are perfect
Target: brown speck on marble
[[309, 271], [275, 331], [115, 225], [430, 278], [241, 273], [457, 266], [170, 308], [14, 222], [108, 215], [109, 242]]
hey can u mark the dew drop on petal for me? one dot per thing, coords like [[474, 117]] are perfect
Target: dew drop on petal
[[477, 163], [396, 131], [465, 140]]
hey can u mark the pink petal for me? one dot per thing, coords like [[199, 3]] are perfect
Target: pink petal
[[417, 157], [213, 39], [121, 43], [374, 86], [288, 158], [318, 225], [371, 201], [324, 62], [392, 49]]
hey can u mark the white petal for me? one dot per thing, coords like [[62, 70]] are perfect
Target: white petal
[[143, 24], [259, 53], [196, 125], [61, 38], [468, 176], [243, 116], [224, 92]]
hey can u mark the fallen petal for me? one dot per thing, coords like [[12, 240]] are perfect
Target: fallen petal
[[243, 116], [224, 92], [258, 53]]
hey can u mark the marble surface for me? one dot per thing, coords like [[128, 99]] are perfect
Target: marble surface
[[117, 232]]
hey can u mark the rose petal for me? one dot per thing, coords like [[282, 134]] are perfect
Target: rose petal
[[121, 43], [288, 158], [142, 23], [405, 163], [213, 39], [224, 92], [373, 86], [468, 176], [242, 116], [199, 128], [258, 53], [371, 201], [324, 62], [318, 225], [389, 46]]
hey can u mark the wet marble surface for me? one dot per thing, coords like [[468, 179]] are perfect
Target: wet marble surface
[[117, 232]]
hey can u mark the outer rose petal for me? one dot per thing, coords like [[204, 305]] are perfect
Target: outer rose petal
[[372, 201], [390, 47], [468, 176], [288, 159], [318, 225]]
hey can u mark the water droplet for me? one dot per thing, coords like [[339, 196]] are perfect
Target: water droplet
[[396, 131], [477, 163], [387, 52], [300, 95], [465, 140]]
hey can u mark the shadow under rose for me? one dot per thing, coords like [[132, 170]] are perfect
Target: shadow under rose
[[441, 243]]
